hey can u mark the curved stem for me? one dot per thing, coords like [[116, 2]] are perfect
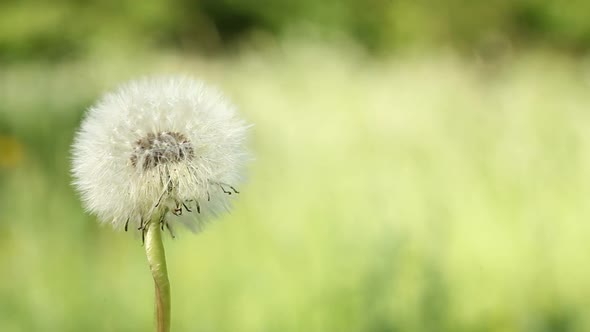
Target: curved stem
[[154, 249]]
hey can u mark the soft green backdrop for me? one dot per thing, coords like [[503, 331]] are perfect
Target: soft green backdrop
[[422, 190]]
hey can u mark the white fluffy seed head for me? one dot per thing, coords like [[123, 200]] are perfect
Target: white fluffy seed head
[[166, 146]]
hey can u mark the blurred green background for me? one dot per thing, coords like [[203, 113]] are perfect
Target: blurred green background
[[420, 165]]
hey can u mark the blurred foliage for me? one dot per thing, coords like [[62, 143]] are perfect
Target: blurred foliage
[[433, 194], [64, 29], [422, 192]]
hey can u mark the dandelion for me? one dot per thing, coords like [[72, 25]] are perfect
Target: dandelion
[[12, 152], [157, 153]]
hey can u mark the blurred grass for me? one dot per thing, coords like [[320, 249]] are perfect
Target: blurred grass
[[429, 193]]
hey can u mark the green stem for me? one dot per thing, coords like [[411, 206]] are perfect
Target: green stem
[[154, 249]]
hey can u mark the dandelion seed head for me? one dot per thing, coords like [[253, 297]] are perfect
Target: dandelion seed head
[[162, 145]]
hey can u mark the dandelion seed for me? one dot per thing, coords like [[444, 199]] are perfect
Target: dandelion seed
[[156, 146]]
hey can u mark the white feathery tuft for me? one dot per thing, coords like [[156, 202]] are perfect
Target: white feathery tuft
[[168, 146]]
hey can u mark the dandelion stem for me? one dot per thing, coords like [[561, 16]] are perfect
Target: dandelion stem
[[154, 249]]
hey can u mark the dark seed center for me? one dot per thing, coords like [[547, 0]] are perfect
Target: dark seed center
[[160, 148]]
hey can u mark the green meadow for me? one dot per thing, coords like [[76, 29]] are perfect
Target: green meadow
[[415, 192]]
